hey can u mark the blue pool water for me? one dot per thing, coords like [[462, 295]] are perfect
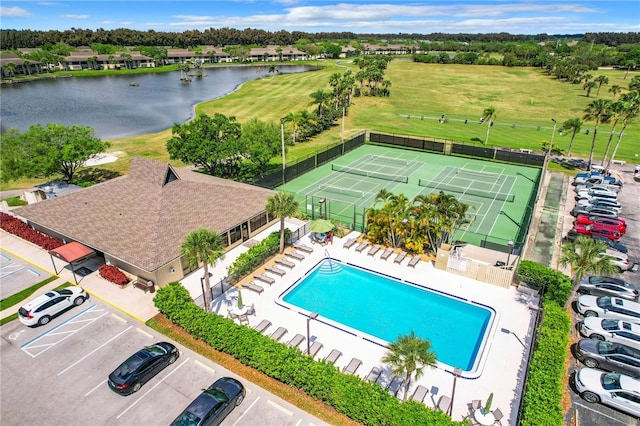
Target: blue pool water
[[386, 308]]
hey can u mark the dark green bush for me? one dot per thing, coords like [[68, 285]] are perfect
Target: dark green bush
[[554, 285], [362, 401], [545, 384], [256, 256]]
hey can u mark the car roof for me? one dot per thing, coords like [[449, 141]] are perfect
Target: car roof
[[40, 299]]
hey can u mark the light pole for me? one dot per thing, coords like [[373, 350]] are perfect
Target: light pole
[[553, 133], [312, 316], [510, 244], [284, 161], [323, 207], [456, 373]]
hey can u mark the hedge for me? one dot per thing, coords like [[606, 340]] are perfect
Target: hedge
[[554, 285], [362, 401], [547, 370], [256, 255]]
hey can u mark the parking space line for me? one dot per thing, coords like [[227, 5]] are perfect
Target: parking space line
[[246, 411], [600, 412], [98, 386], [93, 351], [153, 387], [279, 407], [118, 317], [146, 333], [201, 364]]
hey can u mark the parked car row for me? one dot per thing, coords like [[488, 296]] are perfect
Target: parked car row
[[610, 347], [597, 216], [211, 407]]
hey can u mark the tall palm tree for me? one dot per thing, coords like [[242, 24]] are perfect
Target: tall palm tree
[[588, 86], [614, 90], [281, 205], [600, 80], [630, 110], [584, 255], [205, 247], [488, 115], [573, 125], [320, 97], [597, 110], [615, 110], [408, 356]]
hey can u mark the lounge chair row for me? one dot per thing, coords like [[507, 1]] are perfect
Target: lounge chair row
[[373, 250], [297, 340]]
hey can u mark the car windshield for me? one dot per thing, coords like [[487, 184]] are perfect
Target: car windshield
[[186, 419], [610, 381], [604, 302], [155, 350], [65, 292], [218, 395], [610, 325]]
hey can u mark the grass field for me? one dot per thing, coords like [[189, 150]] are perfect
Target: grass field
[[524, 97]]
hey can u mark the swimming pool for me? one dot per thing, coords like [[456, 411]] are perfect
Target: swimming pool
[[385, 307]]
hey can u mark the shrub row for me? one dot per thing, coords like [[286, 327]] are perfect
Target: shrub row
[[20, 229], [256, 256], [553, 285], [113, 274], [547, 370], [362, 401]]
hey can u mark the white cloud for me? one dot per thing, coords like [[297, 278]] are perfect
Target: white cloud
[[72, 16], [13, 11]]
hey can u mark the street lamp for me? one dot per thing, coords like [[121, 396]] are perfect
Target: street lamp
[[456, 373], [553, 133], [284, 161], [510, 244], [312, 316], [323, 206]]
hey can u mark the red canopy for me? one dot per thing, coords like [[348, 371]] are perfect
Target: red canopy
[[72, 252]]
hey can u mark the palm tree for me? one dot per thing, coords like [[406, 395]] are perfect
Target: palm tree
[[488, 115], [597, 110], [614, 90], [584, 255], [600, 80], [588, 86], [615, 108], [205, 247], [281, 205], [630, 110], [408, 356], [320, 97], [574, 125]]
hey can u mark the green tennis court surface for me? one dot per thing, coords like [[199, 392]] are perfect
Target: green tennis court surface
[[499, 194]]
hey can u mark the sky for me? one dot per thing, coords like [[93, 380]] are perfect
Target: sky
[[358, 16]]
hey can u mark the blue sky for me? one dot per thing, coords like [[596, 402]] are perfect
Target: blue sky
[[359, 16]]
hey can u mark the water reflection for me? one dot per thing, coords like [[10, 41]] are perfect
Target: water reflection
[[116, 109]]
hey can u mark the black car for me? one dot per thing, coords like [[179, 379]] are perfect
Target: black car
[[609, 356], [140, 367], [613, 245], [213, 404]]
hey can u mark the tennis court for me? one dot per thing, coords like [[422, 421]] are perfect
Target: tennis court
[[499, 194]]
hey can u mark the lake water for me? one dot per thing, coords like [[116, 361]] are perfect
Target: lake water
[[114, 108]]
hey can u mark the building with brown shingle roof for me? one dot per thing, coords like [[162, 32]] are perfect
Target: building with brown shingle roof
[[139, 221]]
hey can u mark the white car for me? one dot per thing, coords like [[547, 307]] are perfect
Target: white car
[[611, 330], [612, 389], [40, 310], [608, 307], [619, 260]]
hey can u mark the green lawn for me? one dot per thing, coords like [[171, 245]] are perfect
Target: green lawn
[[526, 99]]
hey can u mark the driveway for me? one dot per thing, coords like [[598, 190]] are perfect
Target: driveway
[[57, 374]]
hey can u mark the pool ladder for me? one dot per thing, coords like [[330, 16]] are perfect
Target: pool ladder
[[329, 266]]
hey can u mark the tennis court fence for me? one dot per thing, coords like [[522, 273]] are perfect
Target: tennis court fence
[[447, 187]]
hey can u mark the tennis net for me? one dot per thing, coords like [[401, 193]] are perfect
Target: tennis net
[[447, 187], [476, 173], [342, 191], [367, 173]]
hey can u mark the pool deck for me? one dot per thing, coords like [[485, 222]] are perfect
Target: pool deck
[[503, 364]]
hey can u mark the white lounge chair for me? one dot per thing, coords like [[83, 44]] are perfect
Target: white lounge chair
[[395, 385], [385, 255], [414, 261], [444, 403], [333, 356], [275, 270], [361, 247], [419, 393], [297, 339], [303, 248], [400, 257], [253, 287], [295, 255], [314, 348], [285, 263], [264, 278], [279, 333], [373, 375], [353, 365], [349, 243], [264, 324], [373, 250]]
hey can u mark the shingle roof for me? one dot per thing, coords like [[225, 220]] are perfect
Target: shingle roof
[[143, 217]]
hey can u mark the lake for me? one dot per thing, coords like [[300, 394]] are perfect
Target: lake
[[114, 108]]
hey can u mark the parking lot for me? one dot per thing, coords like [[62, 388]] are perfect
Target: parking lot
[[629, 197], [57, 374], [16, 274]]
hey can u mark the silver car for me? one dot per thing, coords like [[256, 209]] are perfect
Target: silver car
[[607, 286], [608, 307], [609, 356], [613, 389], [40, 310], [611, 330]]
